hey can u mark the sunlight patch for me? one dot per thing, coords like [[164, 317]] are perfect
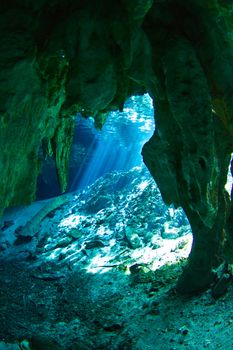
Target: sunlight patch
[[228, 185], [172, 251], [100, 264], [71, 221], [143, 185]]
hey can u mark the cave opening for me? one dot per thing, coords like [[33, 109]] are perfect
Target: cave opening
[[116, 147], [106, 164]]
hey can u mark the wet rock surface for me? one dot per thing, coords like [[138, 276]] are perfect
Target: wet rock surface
[[101, 275]]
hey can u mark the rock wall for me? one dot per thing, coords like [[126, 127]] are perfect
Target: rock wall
[[190, 151], [61, 57], [57, 59]]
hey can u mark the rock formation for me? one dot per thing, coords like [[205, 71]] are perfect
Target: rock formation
[[189, 153], [61, 57]]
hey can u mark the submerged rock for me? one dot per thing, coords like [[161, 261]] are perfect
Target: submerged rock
[[131, 217], [102, 280]]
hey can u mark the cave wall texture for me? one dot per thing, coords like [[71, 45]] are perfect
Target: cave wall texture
[[61, 57]]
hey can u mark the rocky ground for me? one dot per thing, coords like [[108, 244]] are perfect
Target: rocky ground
[[97, 270]]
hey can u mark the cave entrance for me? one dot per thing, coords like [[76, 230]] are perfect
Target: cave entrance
[[116, 147], [116, 195]]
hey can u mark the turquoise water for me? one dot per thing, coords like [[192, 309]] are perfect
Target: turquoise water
[[117, 146]]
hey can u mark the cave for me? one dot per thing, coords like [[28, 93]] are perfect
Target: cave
[[60, 59]]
